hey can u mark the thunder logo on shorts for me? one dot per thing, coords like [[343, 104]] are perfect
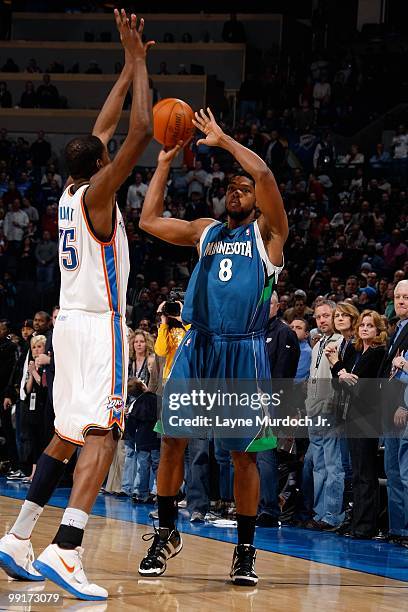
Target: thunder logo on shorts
[[116, 408]]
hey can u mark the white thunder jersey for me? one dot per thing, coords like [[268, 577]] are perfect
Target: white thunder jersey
[[90, 336], [94, 274]]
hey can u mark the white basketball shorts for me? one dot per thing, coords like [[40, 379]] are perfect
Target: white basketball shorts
[[91, 364]]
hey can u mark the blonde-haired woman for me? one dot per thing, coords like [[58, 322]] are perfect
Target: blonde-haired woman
[[141, 346], [34, 406], [361, 422]]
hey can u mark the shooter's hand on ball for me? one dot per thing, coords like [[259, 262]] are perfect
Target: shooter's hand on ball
[[166, 157]]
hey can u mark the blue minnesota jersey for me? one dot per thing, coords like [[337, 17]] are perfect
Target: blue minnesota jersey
[[230, 289]]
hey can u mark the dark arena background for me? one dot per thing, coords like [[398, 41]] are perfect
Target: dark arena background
[[319, 90]]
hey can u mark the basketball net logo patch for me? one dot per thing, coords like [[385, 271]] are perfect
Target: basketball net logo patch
[[116, 409]]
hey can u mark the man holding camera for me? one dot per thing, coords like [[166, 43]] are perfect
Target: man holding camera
[[171, 332]]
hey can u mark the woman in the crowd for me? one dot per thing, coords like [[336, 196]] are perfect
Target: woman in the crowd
[[139, 350], [141, 420], [33, 441], [360, 413], [345, 317]]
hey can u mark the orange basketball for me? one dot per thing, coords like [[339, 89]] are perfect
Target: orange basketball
[[172, 121]]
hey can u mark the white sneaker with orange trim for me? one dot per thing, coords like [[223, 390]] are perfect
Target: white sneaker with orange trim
[[64, 567], [16, 558]]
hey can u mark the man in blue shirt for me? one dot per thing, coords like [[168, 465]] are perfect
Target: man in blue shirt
[[301, 329]]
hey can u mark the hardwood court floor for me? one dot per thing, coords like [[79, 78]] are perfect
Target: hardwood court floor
[[197, 579]]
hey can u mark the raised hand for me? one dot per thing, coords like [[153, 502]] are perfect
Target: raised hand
[[207, 124], [131, 35]]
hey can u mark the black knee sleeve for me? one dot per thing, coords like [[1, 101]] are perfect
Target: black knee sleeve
[[47, 475]]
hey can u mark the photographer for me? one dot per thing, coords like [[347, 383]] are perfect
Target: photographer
[[32, 436], [171, 331]]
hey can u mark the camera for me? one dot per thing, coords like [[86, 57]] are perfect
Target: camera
[[171, 307]]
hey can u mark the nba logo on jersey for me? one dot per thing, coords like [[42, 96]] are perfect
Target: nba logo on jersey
[[116, 407], [247, 232]]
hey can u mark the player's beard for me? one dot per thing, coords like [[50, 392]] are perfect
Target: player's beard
[[239, 215]]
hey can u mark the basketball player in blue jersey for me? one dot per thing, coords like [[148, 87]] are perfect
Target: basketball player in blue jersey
[[90, 344], [227, 304]]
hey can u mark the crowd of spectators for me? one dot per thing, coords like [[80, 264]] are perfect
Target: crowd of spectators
[[347, 214], [45, 96]]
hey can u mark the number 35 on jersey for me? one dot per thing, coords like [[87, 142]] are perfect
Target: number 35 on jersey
[[68, 251]]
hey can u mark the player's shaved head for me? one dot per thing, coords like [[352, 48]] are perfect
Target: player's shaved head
[[82, 155]]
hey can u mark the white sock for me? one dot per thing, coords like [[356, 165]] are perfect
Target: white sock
[[75, 518], [26, 520]]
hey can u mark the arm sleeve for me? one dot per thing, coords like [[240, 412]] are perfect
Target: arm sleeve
[[162, 344]]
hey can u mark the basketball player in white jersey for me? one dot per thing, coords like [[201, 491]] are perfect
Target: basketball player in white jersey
[[90, 344]]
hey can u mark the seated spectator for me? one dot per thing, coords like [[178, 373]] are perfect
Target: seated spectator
[[50, 175], [29, 96], [32, 66], [216, 200], [40, 150], [46, 253], [163, 68], [321, 93], [254, 140], [47, 94], [136, 193], [50, 191], [26, 270], [11, 194], [196, 208], [275, 153], [179, 181], [144, 308], [5, 96], [304, 116], [49, 221], [55, 67], [24, 184], [354, 157], [168, 37], [196, 179], [15, 223], [395, 251], [182, 69], [300, 310], [381, 159], [10, 66], [399, 145], [93, 68], [233, 31], [215, 173], [325, 153]]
